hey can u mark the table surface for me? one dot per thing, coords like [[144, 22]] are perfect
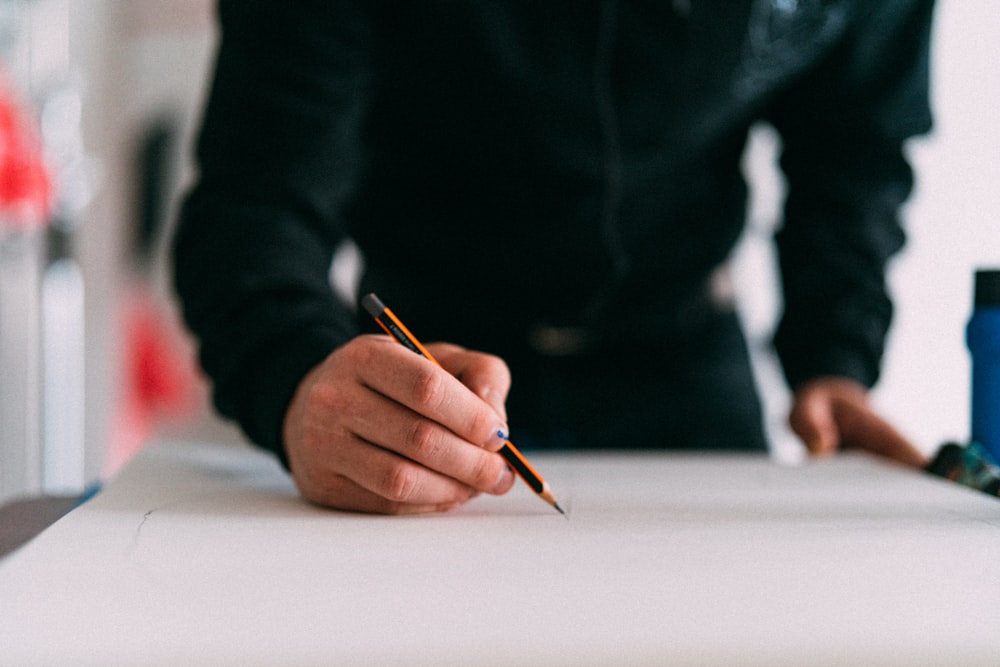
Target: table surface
[[200, 554]]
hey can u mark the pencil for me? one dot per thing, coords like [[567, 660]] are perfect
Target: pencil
[[393, 326]]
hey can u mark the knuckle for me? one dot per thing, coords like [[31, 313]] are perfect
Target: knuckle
[[423, 440], [484, 473], [360, 351], [401, 483], [428, 388], [324, 396]]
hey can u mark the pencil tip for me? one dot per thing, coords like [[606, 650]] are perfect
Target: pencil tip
[[546, 495]]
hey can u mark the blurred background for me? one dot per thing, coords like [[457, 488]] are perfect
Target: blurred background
[[99, 100]]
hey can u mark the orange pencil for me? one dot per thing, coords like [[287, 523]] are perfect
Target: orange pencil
[[393, 326]]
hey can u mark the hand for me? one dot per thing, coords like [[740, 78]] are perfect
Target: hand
[[377, 428], [833, 412]]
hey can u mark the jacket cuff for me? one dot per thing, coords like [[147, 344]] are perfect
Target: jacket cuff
[[802, 365]]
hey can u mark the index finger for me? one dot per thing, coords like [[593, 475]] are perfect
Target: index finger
[[486, 375], [867, 430], [423, 386]]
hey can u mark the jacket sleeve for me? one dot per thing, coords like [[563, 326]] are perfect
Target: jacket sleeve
[[844, 127], [257, 232]]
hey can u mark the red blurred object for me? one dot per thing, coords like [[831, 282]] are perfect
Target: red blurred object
[[161, 386], [24, 181], [161, 378]]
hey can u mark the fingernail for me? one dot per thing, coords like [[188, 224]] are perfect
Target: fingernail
[[498, 438], [504, 480]]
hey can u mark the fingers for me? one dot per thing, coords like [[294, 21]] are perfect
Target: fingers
[[485, 375], [396, 431], [829, 413], [866, 430], [432, 392], [340, 492], [362, 477]]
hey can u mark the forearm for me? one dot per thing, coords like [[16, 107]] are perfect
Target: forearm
[[844, 128], [254, 294], [257, 233], [834, 252]]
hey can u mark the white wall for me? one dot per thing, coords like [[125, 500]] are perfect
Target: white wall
[[954, 223], [137, 60]]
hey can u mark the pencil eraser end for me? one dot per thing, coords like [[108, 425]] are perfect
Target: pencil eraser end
[[373, 305]]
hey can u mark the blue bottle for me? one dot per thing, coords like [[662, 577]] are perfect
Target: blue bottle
[[983, 339]]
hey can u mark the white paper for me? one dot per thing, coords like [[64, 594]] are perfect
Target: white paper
[[206, 555]]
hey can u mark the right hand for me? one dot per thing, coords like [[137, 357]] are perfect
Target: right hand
[[377, 428]]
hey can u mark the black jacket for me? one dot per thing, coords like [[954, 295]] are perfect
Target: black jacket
[[505, 164]]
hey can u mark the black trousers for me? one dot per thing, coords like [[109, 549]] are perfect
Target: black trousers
[[693, 393]]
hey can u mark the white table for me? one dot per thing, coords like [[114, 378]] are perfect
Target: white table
[[202, 554]]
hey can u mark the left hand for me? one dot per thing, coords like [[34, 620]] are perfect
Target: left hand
[[829, 413]]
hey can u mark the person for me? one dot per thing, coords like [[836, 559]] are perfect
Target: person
[[550, 191]]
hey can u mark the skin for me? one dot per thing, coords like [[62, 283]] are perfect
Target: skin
[[376, 428], [830, 413]]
